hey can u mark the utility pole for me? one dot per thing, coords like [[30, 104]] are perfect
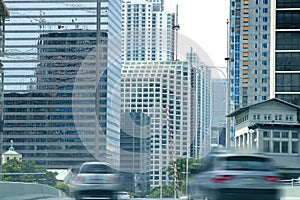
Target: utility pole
[[228, 100]]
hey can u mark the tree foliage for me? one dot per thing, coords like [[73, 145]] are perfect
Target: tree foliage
[[184, 167], [167, 192], [15, 166], [63, 187]]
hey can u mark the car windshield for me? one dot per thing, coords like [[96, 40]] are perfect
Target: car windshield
[[251, 163], [96, 169]]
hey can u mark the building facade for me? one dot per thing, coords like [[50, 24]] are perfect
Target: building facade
[[135, 152], [147, 31], [264, 51], [250, 41], [62, 81], [285, 60], [270, 127], [161, 90], [218, 110], [201, 103]]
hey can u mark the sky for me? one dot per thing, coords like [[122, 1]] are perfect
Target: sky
[[204, 22]]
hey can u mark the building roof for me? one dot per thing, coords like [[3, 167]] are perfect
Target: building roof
[[11, 152], [241, 110]]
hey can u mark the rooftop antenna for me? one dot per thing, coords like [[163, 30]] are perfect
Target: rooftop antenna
[[176, 27]]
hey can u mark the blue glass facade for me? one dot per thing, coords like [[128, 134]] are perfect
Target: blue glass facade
[[62, 81]]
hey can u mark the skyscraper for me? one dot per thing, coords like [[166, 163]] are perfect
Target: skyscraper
[[200, 105], [285, 57], [264, 37], [147, 30], [162, 90], [250, 48], [62, 81]]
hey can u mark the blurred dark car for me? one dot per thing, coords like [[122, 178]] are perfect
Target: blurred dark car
[[236, 176], [96, 180]]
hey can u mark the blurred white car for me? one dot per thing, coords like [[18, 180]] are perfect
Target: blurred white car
[[236, 176], [123, 195], [96, 180]]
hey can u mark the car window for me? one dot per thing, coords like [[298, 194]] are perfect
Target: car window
[[96, 169], [246, 163]]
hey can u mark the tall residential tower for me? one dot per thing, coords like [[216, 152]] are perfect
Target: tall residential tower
[[147, 31]]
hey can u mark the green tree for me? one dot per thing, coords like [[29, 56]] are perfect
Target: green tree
[[15, 166], [183, 170], [167, 192]]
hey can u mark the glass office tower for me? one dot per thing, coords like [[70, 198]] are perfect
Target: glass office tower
[[62, 81], [287, 51]]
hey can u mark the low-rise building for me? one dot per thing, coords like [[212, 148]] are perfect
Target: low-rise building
[[11, 154], [271, 127]]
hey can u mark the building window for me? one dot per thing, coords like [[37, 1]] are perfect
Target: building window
[[264, 36], [285, 135], [265, 19], [264, 45], [265, 10], [266, 146], [278, 117], [264, 71], [264, 80], [295, 147], [276, 134], [266, 134], [245, 54], [276, 147], [289, 118], [284, 147], [295, 135], [264, 54], [264, 89], [267, 117], [256, 116]]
